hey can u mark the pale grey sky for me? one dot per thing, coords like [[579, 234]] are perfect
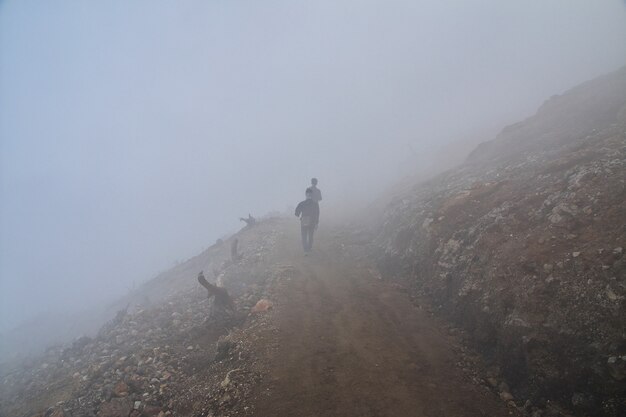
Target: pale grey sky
[[133, 134]]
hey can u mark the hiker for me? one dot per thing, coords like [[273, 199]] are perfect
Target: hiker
[[309, 213], [317, 194]]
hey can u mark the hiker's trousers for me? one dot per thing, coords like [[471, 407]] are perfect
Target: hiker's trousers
[[307, 237]]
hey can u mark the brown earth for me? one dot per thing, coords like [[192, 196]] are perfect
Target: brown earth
[[349, 344], [523, 247], [338, 341]]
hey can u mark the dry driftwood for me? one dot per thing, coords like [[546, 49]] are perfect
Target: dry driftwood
[[250, 221], [234, 255], [222, 298]]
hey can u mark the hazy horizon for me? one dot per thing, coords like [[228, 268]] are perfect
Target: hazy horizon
[[133, 135]]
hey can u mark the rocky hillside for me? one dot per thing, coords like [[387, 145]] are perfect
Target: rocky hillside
[[32, 338], [523, 246], [165, 352]]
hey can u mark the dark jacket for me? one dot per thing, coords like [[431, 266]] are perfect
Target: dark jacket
[[317, 194], [309, 212]]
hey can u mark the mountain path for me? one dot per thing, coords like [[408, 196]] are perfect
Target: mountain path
[[348, 344]]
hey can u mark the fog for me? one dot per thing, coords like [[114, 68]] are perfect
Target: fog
[[134, 134]]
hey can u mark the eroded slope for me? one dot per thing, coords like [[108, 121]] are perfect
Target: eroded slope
[[523, 245]]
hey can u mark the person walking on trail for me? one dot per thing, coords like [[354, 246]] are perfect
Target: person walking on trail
[[317, 194], [309, 213]]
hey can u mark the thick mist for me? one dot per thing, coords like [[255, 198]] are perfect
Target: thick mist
[[134, 134]]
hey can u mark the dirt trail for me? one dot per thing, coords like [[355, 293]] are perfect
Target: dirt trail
[[350, 345]]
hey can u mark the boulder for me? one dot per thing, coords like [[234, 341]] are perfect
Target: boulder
[[262, 305]]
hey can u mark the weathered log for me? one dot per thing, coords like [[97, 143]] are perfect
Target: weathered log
[[222, 299], [234, 255], [250, 221]]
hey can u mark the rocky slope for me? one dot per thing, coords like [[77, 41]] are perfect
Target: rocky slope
[[523, 246], [164, 353]]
